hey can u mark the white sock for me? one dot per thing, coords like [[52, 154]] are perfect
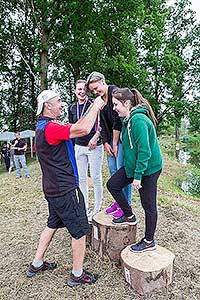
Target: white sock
[[148, 242], [130, 217], [37, 263], [77, 273]]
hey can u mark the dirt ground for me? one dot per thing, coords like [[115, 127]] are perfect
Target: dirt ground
[[23, 213]]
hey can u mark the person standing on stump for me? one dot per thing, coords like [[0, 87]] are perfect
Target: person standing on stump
[[142, 162], [60, 183], [110, 131]]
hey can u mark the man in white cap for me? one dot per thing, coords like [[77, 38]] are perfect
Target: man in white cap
[[60, 183]]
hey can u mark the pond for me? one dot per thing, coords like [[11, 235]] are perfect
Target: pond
[[189, 155]]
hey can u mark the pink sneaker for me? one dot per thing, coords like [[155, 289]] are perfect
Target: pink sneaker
[[118, 214], [112, 208]]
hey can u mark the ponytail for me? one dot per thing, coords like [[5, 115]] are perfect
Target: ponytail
[[142, 101]]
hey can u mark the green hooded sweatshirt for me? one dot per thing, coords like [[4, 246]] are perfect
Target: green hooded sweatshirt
[[141, 150]]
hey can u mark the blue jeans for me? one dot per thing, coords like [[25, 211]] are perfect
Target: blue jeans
[[114, 164], [21, 159]]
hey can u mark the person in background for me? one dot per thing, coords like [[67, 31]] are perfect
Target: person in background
[[110, 131], [60, 181], [19, 145], [88, 149], [12, 150], [5, 151], [142, 162]]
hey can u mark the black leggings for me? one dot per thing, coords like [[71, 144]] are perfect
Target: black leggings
[[148, 194]]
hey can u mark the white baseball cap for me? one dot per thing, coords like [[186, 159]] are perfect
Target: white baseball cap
[[43, 97]]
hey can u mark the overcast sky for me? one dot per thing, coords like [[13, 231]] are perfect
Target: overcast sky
[[196, 7]]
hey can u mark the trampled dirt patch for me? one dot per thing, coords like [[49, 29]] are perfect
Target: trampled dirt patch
[[23, 213]]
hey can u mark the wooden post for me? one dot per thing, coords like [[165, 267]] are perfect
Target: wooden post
[[108, 238], [148, 270]]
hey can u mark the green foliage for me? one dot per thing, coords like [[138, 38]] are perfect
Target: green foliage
[[194, 138], [145, 44], [193, 115]]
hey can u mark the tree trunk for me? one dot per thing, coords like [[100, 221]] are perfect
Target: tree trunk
[[108, 238], [148, 270], [177, 133], [44, 60]]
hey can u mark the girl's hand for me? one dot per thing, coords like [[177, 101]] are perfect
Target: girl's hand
[[115, 150], [136, 184], [108, 149]]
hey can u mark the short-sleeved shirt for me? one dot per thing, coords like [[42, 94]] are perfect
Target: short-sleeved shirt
[[55, 152], [19, 144], [109, 119], [75, 112]]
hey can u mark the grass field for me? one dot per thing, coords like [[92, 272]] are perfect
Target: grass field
[[23, 215]]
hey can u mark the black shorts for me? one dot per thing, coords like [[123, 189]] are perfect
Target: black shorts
[[69, 211]]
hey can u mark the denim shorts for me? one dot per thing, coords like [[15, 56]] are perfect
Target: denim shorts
[[69, 211]]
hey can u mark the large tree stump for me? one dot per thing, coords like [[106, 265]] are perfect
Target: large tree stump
[[108, 238], [149, 270]]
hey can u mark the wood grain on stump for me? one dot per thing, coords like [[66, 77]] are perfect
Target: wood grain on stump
[[149, 270], [108, 238]]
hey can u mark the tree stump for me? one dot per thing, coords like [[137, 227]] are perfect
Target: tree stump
[[89, 236], [149, 270], [108, 238]]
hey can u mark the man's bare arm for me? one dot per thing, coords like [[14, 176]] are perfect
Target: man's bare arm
[[85, 124]]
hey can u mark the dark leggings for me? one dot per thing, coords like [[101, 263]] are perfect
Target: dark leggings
[[148, 194], [7, 162]]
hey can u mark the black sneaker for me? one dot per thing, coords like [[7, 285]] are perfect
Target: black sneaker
[[125, 220], [32, 271], [85, 278], [143, 246]]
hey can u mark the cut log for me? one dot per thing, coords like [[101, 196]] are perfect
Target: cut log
[[89, 236], [108, 238], [149, 270]]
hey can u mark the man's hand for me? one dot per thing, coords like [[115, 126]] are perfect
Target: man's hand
[[99, 102], [108, 149], [136, 184], [93, 142]]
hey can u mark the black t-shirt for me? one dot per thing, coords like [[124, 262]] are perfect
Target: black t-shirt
[[75, 112], [5, 151], [109, 118], [19, 144]]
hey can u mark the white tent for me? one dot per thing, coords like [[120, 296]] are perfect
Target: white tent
[[9, 136], [28, 134]]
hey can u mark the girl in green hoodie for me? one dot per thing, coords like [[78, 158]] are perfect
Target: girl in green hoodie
[[142, 162]]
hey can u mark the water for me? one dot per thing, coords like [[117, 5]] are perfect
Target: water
[[191, 181], [187, 156]]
